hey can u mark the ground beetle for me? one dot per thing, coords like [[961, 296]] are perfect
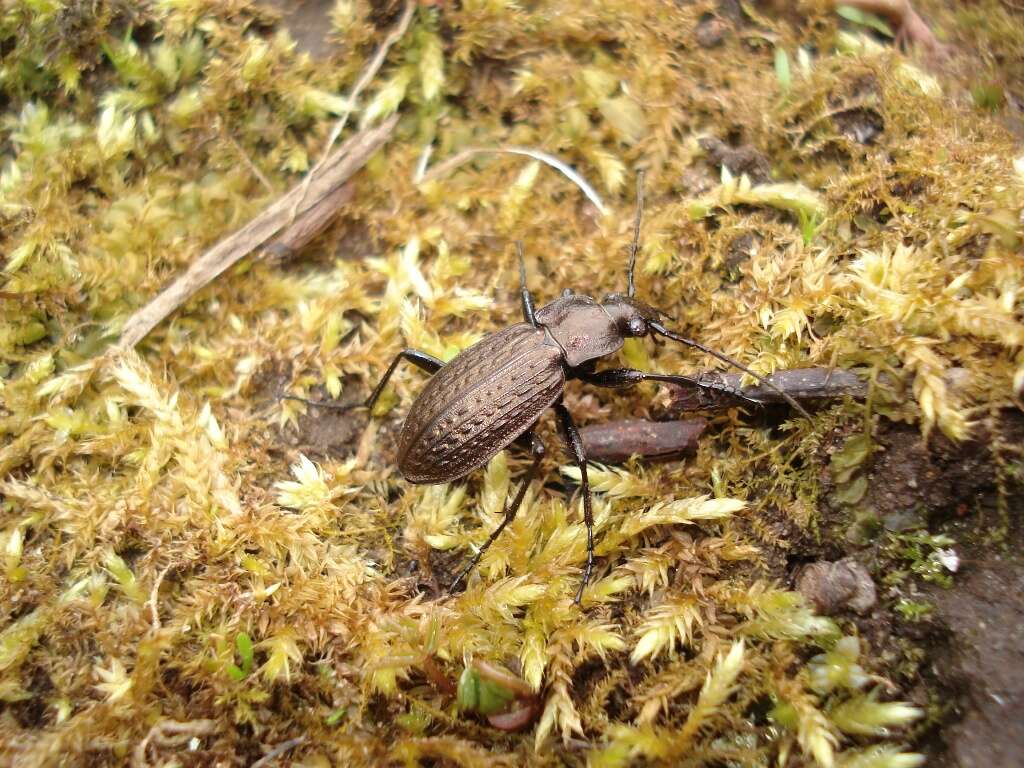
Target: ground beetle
[[493, 393]]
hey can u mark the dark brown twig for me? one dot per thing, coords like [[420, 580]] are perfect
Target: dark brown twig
[[310, 224], [276, 752], [616, 441], [798, 383]]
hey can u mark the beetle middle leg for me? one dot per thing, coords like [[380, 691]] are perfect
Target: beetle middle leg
[[422, 360], [428, 363], [580, 453], [537, 451]]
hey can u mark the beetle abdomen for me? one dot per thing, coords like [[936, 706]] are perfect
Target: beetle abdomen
[[479, 403]]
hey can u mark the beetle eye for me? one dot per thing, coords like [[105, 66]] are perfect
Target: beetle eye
[[637, 327]]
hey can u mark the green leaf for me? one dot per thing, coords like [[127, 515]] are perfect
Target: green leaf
[[478, 694], [852, 492], [235, 673], [493, 697], [468, 693], [845, 461], [782, 70], [865, 19], [243, 643]]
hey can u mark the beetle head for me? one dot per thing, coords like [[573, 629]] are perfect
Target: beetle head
[[632, 317]]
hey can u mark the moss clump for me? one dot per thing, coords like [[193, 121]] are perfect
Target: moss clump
[[183, 583]]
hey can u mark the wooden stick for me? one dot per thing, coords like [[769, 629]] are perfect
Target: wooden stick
[[615, 441], [349, 158], [799, 383], [310, 224]]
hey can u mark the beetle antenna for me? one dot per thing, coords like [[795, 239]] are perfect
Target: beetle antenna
[[524, 292], [630, 288], [659, 328]]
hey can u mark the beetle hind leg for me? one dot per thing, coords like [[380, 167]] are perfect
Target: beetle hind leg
[[537, 451]]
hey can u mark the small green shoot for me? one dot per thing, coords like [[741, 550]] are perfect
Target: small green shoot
[[336, 716], [912, 610], [988, 96], [783, 72], [809, 223], [478, 694], [922, 550], [243, 645]]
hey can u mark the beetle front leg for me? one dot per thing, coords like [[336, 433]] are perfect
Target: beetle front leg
[[537, 451], [615, 378], [576, 443]]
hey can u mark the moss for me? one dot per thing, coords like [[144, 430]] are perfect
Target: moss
[[181, 558]]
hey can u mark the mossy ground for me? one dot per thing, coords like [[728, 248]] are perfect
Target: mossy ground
[[196, 573]]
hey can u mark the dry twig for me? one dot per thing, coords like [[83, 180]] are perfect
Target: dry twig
[[340, 166], [276, 752], [170, 733]]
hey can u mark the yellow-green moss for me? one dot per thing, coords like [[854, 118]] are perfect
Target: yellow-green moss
[[170, 556]]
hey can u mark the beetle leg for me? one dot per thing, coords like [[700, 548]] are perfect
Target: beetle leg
[[576, 443], [537, 451], [428, 363], [626, 377], [660, 329]]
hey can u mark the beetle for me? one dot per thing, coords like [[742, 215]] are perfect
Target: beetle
[[493, 393]]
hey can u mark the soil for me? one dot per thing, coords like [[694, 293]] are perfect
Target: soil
[[983, 661], [307, 22], [964, 662]]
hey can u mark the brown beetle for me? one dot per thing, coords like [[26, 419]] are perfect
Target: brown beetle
[[493, 393]]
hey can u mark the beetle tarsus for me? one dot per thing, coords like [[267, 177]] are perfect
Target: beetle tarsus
[[422, 360], [321, 404], [615, 378]]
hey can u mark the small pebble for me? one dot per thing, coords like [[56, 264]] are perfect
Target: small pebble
[[710, 32], [949, 559], [834, 587]]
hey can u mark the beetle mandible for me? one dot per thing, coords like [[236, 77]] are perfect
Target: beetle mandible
[[493, 393]]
